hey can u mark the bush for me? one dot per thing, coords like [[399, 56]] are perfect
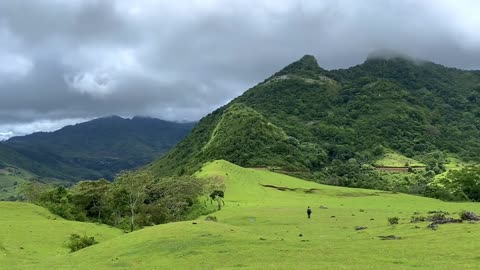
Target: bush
[[393, 220], [416, 219], [78, 242], [468, 215], [211, 218], [438, 216]]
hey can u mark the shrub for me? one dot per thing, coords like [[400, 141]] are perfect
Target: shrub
[[77, 242], [438, 216], [468, 215], [211, 218], [393, 220], [416, 219]]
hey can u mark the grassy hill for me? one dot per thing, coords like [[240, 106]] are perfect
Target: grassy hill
[[259, 228], [11, 179], [31, 236]]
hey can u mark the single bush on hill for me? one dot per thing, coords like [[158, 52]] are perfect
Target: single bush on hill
[[77, 242]]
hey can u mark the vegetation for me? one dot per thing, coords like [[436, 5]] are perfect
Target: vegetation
[[336, 126], [11, 180], [260, 225], [133, 201], [393, 220], [333, 127], [77, 242], [463, 184], [96, 149], [31, 236], [393, 159]]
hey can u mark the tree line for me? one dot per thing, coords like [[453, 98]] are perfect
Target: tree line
[[132, 201]]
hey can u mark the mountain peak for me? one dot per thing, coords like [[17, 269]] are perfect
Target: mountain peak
[[307, 65], [309, 59]]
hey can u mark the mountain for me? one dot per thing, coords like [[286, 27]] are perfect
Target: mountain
[[308, 119], [11, 158], [93, 149]]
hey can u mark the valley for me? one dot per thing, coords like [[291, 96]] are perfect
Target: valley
[[259, 227], [249, 135]]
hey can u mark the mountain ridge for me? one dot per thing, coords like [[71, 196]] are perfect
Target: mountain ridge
[[98, 148], [351, 116]]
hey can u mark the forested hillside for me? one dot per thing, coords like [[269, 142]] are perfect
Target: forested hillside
[[95, 149], [334, 125]]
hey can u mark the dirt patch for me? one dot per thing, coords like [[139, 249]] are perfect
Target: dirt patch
[[280, 188], [389, 237], [351, 194], [436, 217], [308, 191]]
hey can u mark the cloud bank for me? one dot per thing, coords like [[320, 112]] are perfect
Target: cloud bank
[[66, 60]]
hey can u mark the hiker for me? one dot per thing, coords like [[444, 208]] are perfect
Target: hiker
[[309, 212]]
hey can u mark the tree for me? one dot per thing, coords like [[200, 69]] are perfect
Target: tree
[[175, 195], [134, 185], [464, 182], [215, 187], [91, 196], [32, 191], [218, 196]]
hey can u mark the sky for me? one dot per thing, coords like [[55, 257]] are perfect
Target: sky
[[68, 61]]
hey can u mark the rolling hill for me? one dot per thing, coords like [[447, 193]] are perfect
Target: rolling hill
[[263, 225], [95, 149]]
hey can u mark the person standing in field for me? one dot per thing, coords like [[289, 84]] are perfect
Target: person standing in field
[[309, 211]]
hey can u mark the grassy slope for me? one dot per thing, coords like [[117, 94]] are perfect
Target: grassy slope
[[453, 164], [395, 159], [9, 184], [253, 212], [10, 180], [31, 235]]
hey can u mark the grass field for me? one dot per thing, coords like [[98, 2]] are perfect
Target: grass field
[[10, 179], [259, 228], [393, 159], [30, 236]]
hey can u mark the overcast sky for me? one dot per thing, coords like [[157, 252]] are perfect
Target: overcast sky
[[65, 61]]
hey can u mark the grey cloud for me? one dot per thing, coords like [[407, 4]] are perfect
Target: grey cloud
[[80, 59]]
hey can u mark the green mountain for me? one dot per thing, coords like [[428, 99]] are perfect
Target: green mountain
[[308, 119], [93, 149]]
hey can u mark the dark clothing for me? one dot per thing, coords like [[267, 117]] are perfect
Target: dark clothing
[[309, 212]]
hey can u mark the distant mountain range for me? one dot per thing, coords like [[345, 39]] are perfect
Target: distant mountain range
[[95, 149]]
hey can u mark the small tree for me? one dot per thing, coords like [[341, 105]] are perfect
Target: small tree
[[218, 196], [134, 184], [91, 196], [464, 182], [32, 191], [215, 187]]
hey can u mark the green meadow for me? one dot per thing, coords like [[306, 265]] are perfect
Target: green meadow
[[393, 159], [263, 225], [10, 180]]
